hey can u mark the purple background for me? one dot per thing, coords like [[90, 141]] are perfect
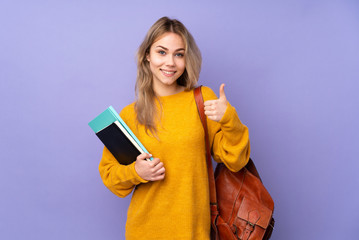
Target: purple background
[[291, 70]]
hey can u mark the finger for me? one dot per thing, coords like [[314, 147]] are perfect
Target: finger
[[210, 102], [210, 108], [154, 162], [214, 118], [158, 178], [210, 113], [160, 171], [158, 167], [143, 156], [222, 95]]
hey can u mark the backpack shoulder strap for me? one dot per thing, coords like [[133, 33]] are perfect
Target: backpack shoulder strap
[[200, 107]]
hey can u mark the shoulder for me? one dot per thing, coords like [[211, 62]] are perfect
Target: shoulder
[[128, 112], [208, 93]]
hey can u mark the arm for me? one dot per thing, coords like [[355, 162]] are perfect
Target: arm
[[231, 142], [229, 137], [119, 179]]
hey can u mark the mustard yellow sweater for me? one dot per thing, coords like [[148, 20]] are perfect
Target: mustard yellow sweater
[[178, 206]]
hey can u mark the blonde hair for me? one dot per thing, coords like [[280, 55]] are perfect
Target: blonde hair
[[145, 106]]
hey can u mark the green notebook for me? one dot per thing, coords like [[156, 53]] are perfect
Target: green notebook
[[117, 136]]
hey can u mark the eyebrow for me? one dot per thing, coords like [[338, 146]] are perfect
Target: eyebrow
[[179, 49]]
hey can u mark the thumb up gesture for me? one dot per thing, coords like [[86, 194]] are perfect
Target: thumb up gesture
[[215, 109]]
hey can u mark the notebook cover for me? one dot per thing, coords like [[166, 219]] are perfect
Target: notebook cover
[[118, 144], [108, 117], [103, 120], [117, 116]]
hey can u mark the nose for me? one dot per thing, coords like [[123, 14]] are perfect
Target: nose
[[170, 60]]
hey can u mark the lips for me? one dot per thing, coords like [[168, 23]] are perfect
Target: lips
[[168, 73]]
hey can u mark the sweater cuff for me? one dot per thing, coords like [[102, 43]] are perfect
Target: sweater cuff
[[228, 115], [137, 178]]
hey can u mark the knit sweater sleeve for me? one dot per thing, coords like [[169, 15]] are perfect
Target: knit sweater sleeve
[[229, 137], [119, 179]]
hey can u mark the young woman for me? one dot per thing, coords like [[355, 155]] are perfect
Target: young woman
[[171, 196]]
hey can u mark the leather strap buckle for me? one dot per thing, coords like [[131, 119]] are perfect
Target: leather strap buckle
[[250, 226]]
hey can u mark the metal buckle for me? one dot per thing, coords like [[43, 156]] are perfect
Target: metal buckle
[[236, 232], [251, 224]]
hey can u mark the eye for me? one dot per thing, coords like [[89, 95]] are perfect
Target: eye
[[179, 54], [162, 52]]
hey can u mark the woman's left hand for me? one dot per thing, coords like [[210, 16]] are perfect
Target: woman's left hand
[[215, 109]]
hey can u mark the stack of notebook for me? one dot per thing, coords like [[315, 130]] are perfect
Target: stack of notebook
[[117, 136]]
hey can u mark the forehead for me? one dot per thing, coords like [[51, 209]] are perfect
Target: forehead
[[169, 40]]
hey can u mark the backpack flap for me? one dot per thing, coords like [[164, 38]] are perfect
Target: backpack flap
[[254, 213]]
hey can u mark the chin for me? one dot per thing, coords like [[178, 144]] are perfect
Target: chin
[[169, 82]]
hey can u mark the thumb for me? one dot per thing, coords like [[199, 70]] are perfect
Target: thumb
[[222, 95]]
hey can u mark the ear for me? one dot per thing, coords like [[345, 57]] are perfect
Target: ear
[[148, 57]]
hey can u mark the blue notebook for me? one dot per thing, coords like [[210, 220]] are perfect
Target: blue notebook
[[117, 136]]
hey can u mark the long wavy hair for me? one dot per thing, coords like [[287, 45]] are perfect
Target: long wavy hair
[[145, 105]]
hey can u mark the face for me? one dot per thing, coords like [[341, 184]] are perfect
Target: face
[[167, 60]]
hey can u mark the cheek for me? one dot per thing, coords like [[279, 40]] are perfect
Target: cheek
[[155, 62], [154, 66], [181, 65]]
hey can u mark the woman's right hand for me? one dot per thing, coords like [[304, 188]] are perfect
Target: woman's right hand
[[149, 170]]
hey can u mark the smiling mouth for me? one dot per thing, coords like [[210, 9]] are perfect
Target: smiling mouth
[[168, 73]]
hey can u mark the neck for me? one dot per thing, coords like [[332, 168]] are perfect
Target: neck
[[165, 90]]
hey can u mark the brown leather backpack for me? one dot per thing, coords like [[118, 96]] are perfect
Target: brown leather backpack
[[241, 207]]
